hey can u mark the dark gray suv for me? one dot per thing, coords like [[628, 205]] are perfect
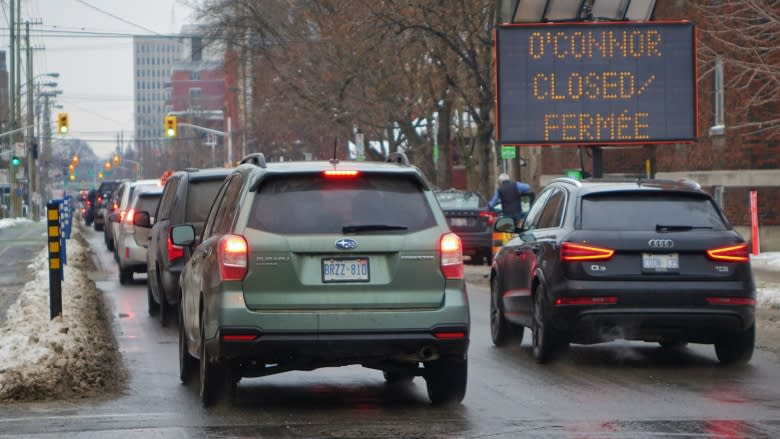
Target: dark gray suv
[[186, 198], [600, 260]]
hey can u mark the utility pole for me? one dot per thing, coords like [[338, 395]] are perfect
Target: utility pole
[[12, 112], [31, 186]]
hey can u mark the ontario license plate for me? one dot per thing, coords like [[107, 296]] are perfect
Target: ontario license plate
[[459, 222], [660, 263], [345, 270]]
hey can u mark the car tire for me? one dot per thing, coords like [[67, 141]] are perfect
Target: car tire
[[125, 275], [446, 380], [187, 365], [501, 331], [211, 376], [545, 340], [738, 348], [152, 306], [163, 309]]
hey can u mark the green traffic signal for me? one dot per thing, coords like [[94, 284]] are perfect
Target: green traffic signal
[[15, 161]]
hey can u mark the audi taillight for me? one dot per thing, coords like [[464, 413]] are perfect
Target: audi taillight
[[451, 256], [174, 251], [232, 255], [489, 216], [732, 253], [578, 252]]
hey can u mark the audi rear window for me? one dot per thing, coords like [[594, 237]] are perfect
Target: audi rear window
[[314, 204], [200, 195], [642, 211]]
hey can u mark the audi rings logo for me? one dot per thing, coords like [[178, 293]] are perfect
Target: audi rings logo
[[660, 243]]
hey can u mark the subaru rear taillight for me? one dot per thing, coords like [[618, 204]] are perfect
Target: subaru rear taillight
[[174, 251], [122, 214], [732, 253], [571, 252], [490, 216], [129, 216], [451, 256], [232, 255]]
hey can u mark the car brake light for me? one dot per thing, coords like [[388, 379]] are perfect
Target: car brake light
[[114, 207], [451, 256], [232, 253], [89, 203], [122, 214], [129, 216], [174, 251], [597, 300], [100, 200], [732, 253], [578, 252], [731, 301], [341, 174], [449, 335], [490, 216]]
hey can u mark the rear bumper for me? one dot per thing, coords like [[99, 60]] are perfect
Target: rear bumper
[[476, 242], [653, 311], [348, 347]]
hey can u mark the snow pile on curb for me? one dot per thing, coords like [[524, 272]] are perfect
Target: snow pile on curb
[[75, 354]]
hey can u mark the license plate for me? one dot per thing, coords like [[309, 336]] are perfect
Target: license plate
[[660, 263], [345, 270], [459, 222]]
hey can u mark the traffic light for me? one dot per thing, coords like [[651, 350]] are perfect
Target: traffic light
[[62, 123], [170, 126], [15, 161]]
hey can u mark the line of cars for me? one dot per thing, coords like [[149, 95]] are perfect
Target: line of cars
[[301, 265]]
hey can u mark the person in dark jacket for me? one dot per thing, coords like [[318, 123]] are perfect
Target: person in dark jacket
[[510, 197]]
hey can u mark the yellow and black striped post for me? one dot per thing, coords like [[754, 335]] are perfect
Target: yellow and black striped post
[[55, 264]]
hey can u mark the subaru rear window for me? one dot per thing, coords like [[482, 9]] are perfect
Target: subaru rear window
[[314, 204], [644, 211], [201, 194]]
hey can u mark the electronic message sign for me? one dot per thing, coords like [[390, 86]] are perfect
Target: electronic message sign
[[596, 83]]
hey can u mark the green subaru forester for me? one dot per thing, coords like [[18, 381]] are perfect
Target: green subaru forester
[[304, 265]]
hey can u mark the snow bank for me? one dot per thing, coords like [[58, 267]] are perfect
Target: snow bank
[[73, 355]]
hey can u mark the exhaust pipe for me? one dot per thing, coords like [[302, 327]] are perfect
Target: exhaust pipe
[[427, 353]]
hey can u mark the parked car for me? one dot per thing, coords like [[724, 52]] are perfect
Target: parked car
[[122, 200], [131, 247], [314, 264], [635, 259], [469, 217], [186, 198]]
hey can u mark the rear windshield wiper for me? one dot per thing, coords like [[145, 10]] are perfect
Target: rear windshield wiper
[[371, 228], [677, 228]]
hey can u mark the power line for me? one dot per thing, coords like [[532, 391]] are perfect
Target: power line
[[83, 2]]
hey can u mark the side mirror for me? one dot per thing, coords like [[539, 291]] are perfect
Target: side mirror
[[505, 225], [142, 219], [183, 235]]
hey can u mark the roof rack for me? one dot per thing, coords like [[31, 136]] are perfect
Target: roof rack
[[398, 157], [256, 158], [568, 180]]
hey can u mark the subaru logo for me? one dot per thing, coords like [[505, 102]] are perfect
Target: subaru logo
[[660, 243], [346, 244]]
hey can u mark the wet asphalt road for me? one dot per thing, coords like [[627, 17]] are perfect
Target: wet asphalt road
[[617, 390]]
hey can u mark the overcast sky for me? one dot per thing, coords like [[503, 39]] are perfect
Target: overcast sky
[[96, 74]]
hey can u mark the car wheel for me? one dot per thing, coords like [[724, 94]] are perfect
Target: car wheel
[[151, 304], [186, 361], [210, 374], [738, 348], [545, 339], [125, 275], [164, 308], [500, 329], [446, 380]]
